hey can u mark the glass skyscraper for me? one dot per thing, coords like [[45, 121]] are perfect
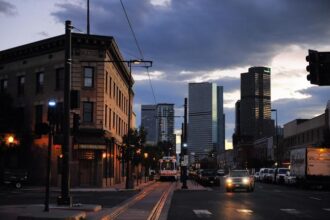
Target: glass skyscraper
[[206, 126]]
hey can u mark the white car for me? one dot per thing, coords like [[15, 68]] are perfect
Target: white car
[[289, 179], [262, 174], [280, 175]]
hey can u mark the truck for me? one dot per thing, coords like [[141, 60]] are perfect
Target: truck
[[311, 166]]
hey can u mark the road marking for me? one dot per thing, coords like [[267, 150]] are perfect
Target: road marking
[[245, 211], [327, 209], [202, 213], [277, 190], [315, 198], [291, 211]]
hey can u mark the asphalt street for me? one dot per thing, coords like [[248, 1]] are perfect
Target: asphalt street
[[266, 202]]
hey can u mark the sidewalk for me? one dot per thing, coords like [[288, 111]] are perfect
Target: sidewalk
[[76, 212], [116, 187]]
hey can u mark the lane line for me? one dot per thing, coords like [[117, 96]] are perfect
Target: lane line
[[156, 211], [245, 211], [291, 211], [326, 209], [202, 213], [315, 198]]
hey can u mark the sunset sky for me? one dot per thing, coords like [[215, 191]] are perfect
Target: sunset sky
[[195, 41]]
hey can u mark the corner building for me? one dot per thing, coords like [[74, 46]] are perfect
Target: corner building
[[34, 73]]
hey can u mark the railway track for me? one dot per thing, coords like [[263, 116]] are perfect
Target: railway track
[[147, 205]]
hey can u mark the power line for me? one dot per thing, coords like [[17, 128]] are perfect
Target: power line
[[139, 48]]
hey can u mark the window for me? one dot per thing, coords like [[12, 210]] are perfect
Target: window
[[3, 85], [40, 82], [88, 77], [59, 79], [20, 85], [109, 118], [110, 87], [105, 116], [114, 120], [106, 82], [38, 114], [88, 112]]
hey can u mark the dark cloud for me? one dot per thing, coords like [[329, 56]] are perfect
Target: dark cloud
[[7, 8], [290, 109], [208, 34], [197, 36]]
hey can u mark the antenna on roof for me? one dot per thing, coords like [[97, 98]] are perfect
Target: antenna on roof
[[88, 17]]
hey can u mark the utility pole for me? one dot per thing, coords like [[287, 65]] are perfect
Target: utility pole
[[184, 162], [64, 198], [88, 17]]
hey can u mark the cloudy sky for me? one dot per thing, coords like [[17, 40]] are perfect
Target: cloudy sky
[[195, 41]]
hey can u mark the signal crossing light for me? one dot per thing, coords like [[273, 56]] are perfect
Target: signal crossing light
[[318, 68]]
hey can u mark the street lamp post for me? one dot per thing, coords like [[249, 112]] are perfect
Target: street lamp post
[[276, 135], [51, 121]]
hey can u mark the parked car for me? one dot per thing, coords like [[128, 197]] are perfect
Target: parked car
[[262, 173], [289, 179], [270, 176], [220, 172], [239, 179], [280, 174], [256, 176], [15, 177], [210, 177]]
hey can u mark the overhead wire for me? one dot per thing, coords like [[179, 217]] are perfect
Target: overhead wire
[[138, 47]]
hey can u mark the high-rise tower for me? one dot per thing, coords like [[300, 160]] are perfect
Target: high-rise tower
[[206, 127]]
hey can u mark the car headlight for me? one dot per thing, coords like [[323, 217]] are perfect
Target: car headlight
[[246, 180], [229, 181]]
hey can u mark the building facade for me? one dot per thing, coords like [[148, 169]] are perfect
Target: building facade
[[314, 132], [206, 126], [253, 113], [34, 73], [158, 121], [148, 121]]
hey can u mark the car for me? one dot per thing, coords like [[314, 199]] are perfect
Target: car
[[220, 172], [262, 174], [239, 179], [280, 174], [209, 177], [256, 176], [270, 176], [15, 177], [289, 179]]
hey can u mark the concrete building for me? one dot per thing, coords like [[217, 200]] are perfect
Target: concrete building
[[34, 73], [206, 127], [148, 121], [253, 113], [314, 132], [158, 121]]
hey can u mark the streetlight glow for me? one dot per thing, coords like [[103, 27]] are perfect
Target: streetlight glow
[[10, 139], [52, 103]]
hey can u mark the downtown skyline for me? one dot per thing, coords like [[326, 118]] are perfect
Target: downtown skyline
[[195, 41]]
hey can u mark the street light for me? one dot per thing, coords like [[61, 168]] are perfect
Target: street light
[[51, 121], [276, 135], [146, 168]]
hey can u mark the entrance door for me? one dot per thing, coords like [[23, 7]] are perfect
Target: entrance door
[[86, 172]]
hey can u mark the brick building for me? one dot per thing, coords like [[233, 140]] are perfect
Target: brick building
[[34, 73]]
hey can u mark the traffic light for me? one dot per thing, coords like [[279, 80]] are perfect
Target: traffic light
[[76, 123], [318, 68]]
